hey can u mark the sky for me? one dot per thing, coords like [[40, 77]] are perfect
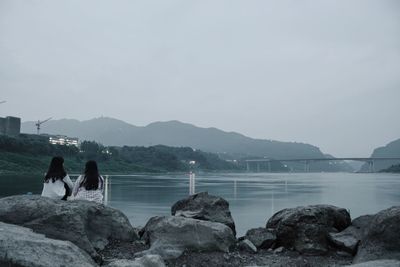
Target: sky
[[320, 72]]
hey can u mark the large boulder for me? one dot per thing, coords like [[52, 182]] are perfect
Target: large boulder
[[144, 261], [88, 225], [170, 236], [348, 239], [203, 206], [344, 241], [382, 237], [20, 246], [261, 237], [306, 228]]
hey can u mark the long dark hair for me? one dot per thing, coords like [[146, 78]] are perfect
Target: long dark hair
[[56, 170], [92, 176]]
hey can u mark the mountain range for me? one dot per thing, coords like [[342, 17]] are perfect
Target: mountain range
[[113, 132]]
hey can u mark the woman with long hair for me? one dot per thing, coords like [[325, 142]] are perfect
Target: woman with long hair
[[57, 184], [90, 185]]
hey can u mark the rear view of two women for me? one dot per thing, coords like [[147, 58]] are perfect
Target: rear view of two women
[[58, 185]]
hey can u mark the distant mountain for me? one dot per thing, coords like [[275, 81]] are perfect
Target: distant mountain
[[113, 132], [391, 150]]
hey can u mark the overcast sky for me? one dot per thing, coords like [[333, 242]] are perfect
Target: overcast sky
[[321, 72]]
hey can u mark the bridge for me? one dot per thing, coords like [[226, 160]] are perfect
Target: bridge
[[307, 161]]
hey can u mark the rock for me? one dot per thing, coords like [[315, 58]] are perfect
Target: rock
[[144, 261], [378, 263], [342, 253], [170, 236], [279, 250], [261, 237], [344, 241], [88, 225], [361, 224], [306, 228], [246, 245], [382, 237], [349, 238], [203, 206], [20, 246]]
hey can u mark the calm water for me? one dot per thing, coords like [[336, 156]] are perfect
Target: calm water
[[253, 198]]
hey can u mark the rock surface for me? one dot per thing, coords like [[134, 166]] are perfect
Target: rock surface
[[20, 246], [88, 225], [377, 263], [261, 237], [203, 206], [344, 241], [246, 245], [360, 225], [348, 239], [170, 236], [144, 261], [382, 237], [306, 228]]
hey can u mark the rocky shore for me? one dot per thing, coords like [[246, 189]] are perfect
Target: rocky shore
[[37, 231]]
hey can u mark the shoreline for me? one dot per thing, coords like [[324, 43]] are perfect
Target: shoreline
[[315, 235]]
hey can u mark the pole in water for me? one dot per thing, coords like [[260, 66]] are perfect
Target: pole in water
[[106, 191], [192, 183], [234, 189]]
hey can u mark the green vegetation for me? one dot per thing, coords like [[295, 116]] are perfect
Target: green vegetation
[[391, 150], [32, 154], [393, 168]]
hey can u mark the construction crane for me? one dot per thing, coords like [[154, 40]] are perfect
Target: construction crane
[[40, 123]]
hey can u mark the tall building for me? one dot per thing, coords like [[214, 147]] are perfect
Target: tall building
[[2, 125], [13, 125], [10, 125]]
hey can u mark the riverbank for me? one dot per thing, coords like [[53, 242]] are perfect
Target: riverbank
[[199, 232]]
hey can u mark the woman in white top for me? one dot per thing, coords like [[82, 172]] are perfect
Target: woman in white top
[[57, 184], [89, 186]]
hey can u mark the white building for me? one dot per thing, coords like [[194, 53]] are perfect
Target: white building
[[63, 140]]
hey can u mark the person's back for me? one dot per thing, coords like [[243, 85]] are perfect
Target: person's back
[[57, 184], [89, 186]]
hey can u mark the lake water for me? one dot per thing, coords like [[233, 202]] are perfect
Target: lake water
[[253, 197]]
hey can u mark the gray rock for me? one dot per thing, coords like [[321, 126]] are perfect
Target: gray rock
[[361, 224], [382, 237], [170, 236], [378, 263], [246, 245], [261, 237], [20, 246], [349, 238], [144, 261], [203, 206], [306, 228], [345, 241], [88, 225], [279, 250]]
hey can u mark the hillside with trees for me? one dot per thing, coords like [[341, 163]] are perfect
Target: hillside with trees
[[391, 150], [32, 154]]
